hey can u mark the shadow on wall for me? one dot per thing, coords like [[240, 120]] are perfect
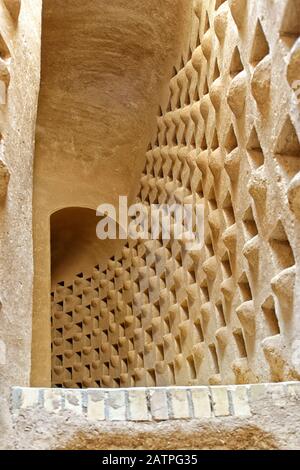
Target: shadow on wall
[[75, 246]]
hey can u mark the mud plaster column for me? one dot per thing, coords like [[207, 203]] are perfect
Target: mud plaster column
[[20, 68], [41, 328]]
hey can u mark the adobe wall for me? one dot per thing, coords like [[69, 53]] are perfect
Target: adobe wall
[[156, 315], [227, 135]]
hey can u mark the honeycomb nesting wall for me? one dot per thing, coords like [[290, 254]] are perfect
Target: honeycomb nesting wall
[[158, 314]]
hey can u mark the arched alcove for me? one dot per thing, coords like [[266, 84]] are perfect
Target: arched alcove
[[75, 246]]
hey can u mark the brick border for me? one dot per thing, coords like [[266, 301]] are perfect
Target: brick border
[[154, 404]]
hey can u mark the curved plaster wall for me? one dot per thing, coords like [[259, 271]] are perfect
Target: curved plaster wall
[[228, 136]]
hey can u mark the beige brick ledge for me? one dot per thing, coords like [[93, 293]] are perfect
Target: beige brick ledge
[[155, 404]]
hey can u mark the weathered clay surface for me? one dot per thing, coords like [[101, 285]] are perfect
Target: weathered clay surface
[[228, 134], [268, 419]]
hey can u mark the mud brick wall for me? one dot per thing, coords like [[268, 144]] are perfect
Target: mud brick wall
[[228, 135]]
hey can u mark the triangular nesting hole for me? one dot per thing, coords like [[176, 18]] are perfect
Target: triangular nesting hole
[[187, 99], [4, 51], [228, 210], [215, 141], [178, 101], [231, 140], [225, 265], [196, 94], [227, 202], [214, 359], [281, 247], [182, 64], [13, 7], [174, 136], [236, 65], [271, 320], [216, 71], [240, 342], [254, 149], [211, 198], [206, 24], [205, 87], [249, 223], [193, 140], [219, 3], [278, 233], [220, 314], [288, 142], [164, 138], [287, 150], [260, 46], [244, 287], [204, 143], [169, 106], [290, 27]]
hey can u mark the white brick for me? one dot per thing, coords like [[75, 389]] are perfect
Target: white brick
[[116, 405], [201, 402], [220, 401], [180, 404], [240, 401], [138, 405], [95, 407], [30, 397], [159, 404]]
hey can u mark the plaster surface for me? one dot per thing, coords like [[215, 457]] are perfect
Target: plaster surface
[[20, 38], [157, 314], [150, 314], [104, 67]]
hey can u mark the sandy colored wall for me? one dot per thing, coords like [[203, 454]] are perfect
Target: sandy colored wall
[[96, 118], [20, 69], [155, 314], [228, 135]]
